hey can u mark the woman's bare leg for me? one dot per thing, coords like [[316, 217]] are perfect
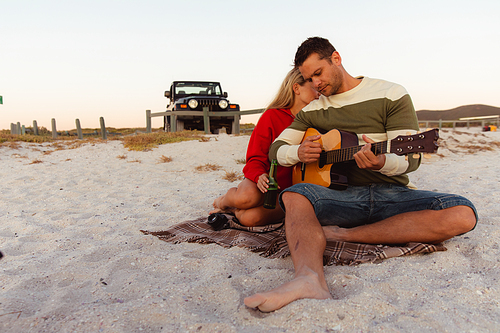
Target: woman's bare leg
[[245, 196], [246, 201], [259, 216]]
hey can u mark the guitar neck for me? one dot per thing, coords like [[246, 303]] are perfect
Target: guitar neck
[[347, 154]]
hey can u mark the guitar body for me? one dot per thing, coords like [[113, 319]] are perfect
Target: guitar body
[[326, 175], [339, 146]]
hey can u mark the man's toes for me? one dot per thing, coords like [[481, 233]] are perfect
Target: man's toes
[[253, 301]]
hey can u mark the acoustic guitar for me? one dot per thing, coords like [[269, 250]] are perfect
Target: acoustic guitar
[[339, 146]]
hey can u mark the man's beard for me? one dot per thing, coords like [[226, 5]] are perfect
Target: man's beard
[[333, 86]]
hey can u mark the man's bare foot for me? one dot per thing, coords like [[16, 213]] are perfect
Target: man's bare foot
[[334, 233], [304, 286]]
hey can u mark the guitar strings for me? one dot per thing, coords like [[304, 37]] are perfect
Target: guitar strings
[[347, 154]]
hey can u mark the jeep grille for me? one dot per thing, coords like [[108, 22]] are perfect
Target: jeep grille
[[208, 102]]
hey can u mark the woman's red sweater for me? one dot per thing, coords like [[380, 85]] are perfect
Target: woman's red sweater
[[270, 125]]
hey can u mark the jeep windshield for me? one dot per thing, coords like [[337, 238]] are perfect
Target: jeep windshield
[[197, 88]]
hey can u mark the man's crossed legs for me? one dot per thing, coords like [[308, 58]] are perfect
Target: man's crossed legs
[[307, 237]]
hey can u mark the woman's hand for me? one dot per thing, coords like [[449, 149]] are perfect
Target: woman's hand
[[262, 182]]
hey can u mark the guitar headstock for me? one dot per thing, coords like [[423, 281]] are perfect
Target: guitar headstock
[[425, 142]]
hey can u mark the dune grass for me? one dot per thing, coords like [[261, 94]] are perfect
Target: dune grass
[[147, 141], [208, 167], [132, 138], [165, 159], [5, 137], [132, 141], [232, 176]]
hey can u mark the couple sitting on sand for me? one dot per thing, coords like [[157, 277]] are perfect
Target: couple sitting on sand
[[380, 204]]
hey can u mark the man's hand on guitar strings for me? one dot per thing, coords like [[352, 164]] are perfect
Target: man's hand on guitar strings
[[309, 150], [366, 159]]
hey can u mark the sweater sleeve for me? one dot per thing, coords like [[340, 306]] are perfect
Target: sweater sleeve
[[401, 120], [285, 147], [257, 161]]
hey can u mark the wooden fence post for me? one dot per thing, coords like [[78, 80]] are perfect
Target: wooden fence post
[[148, 121], [173, 123], [103, 129], [236, 124], [18, 129], [23, 130], [12, 129], [206, 120], [54, 129], [79, 129], [35, 127]]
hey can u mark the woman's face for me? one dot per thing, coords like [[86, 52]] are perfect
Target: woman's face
[[305, 94]]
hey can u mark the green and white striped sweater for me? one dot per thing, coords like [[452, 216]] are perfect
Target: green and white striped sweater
[[379, 109]]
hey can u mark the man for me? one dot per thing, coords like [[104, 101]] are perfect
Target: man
[[380, 205]]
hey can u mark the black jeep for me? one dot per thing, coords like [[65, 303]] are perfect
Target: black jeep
[[189, 96]]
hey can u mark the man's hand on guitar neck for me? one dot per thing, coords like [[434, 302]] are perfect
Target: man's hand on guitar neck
[[309, 150], [366, 159]]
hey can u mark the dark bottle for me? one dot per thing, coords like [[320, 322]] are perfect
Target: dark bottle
[[272, 191]]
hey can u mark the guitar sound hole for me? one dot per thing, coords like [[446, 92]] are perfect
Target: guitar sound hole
[[322, 160]]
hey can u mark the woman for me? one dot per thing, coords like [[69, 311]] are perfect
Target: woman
[[246, 200]]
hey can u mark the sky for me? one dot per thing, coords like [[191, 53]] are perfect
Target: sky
[[114, 59]]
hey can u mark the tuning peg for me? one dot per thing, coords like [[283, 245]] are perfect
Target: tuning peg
[[427, 155], [408, 133], [406, 158], [416, 156]]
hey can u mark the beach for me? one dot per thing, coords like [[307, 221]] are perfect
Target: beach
[[75, 259]]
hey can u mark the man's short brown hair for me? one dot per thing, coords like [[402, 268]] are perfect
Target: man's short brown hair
[[318, 45]]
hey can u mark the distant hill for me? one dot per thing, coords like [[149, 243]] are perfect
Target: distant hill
[[476, 110]]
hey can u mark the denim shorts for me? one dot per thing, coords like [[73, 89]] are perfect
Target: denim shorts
[[359, 205]]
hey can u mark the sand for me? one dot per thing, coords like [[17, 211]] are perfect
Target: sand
[[76, 261]]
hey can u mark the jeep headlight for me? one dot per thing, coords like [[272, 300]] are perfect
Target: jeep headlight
[[193, 103], [223, 104]]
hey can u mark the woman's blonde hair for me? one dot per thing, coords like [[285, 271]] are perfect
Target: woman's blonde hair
[[286, 97]]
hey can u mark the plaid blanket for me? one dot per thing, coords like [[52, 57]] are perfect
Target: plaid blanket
[[270, 241]]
